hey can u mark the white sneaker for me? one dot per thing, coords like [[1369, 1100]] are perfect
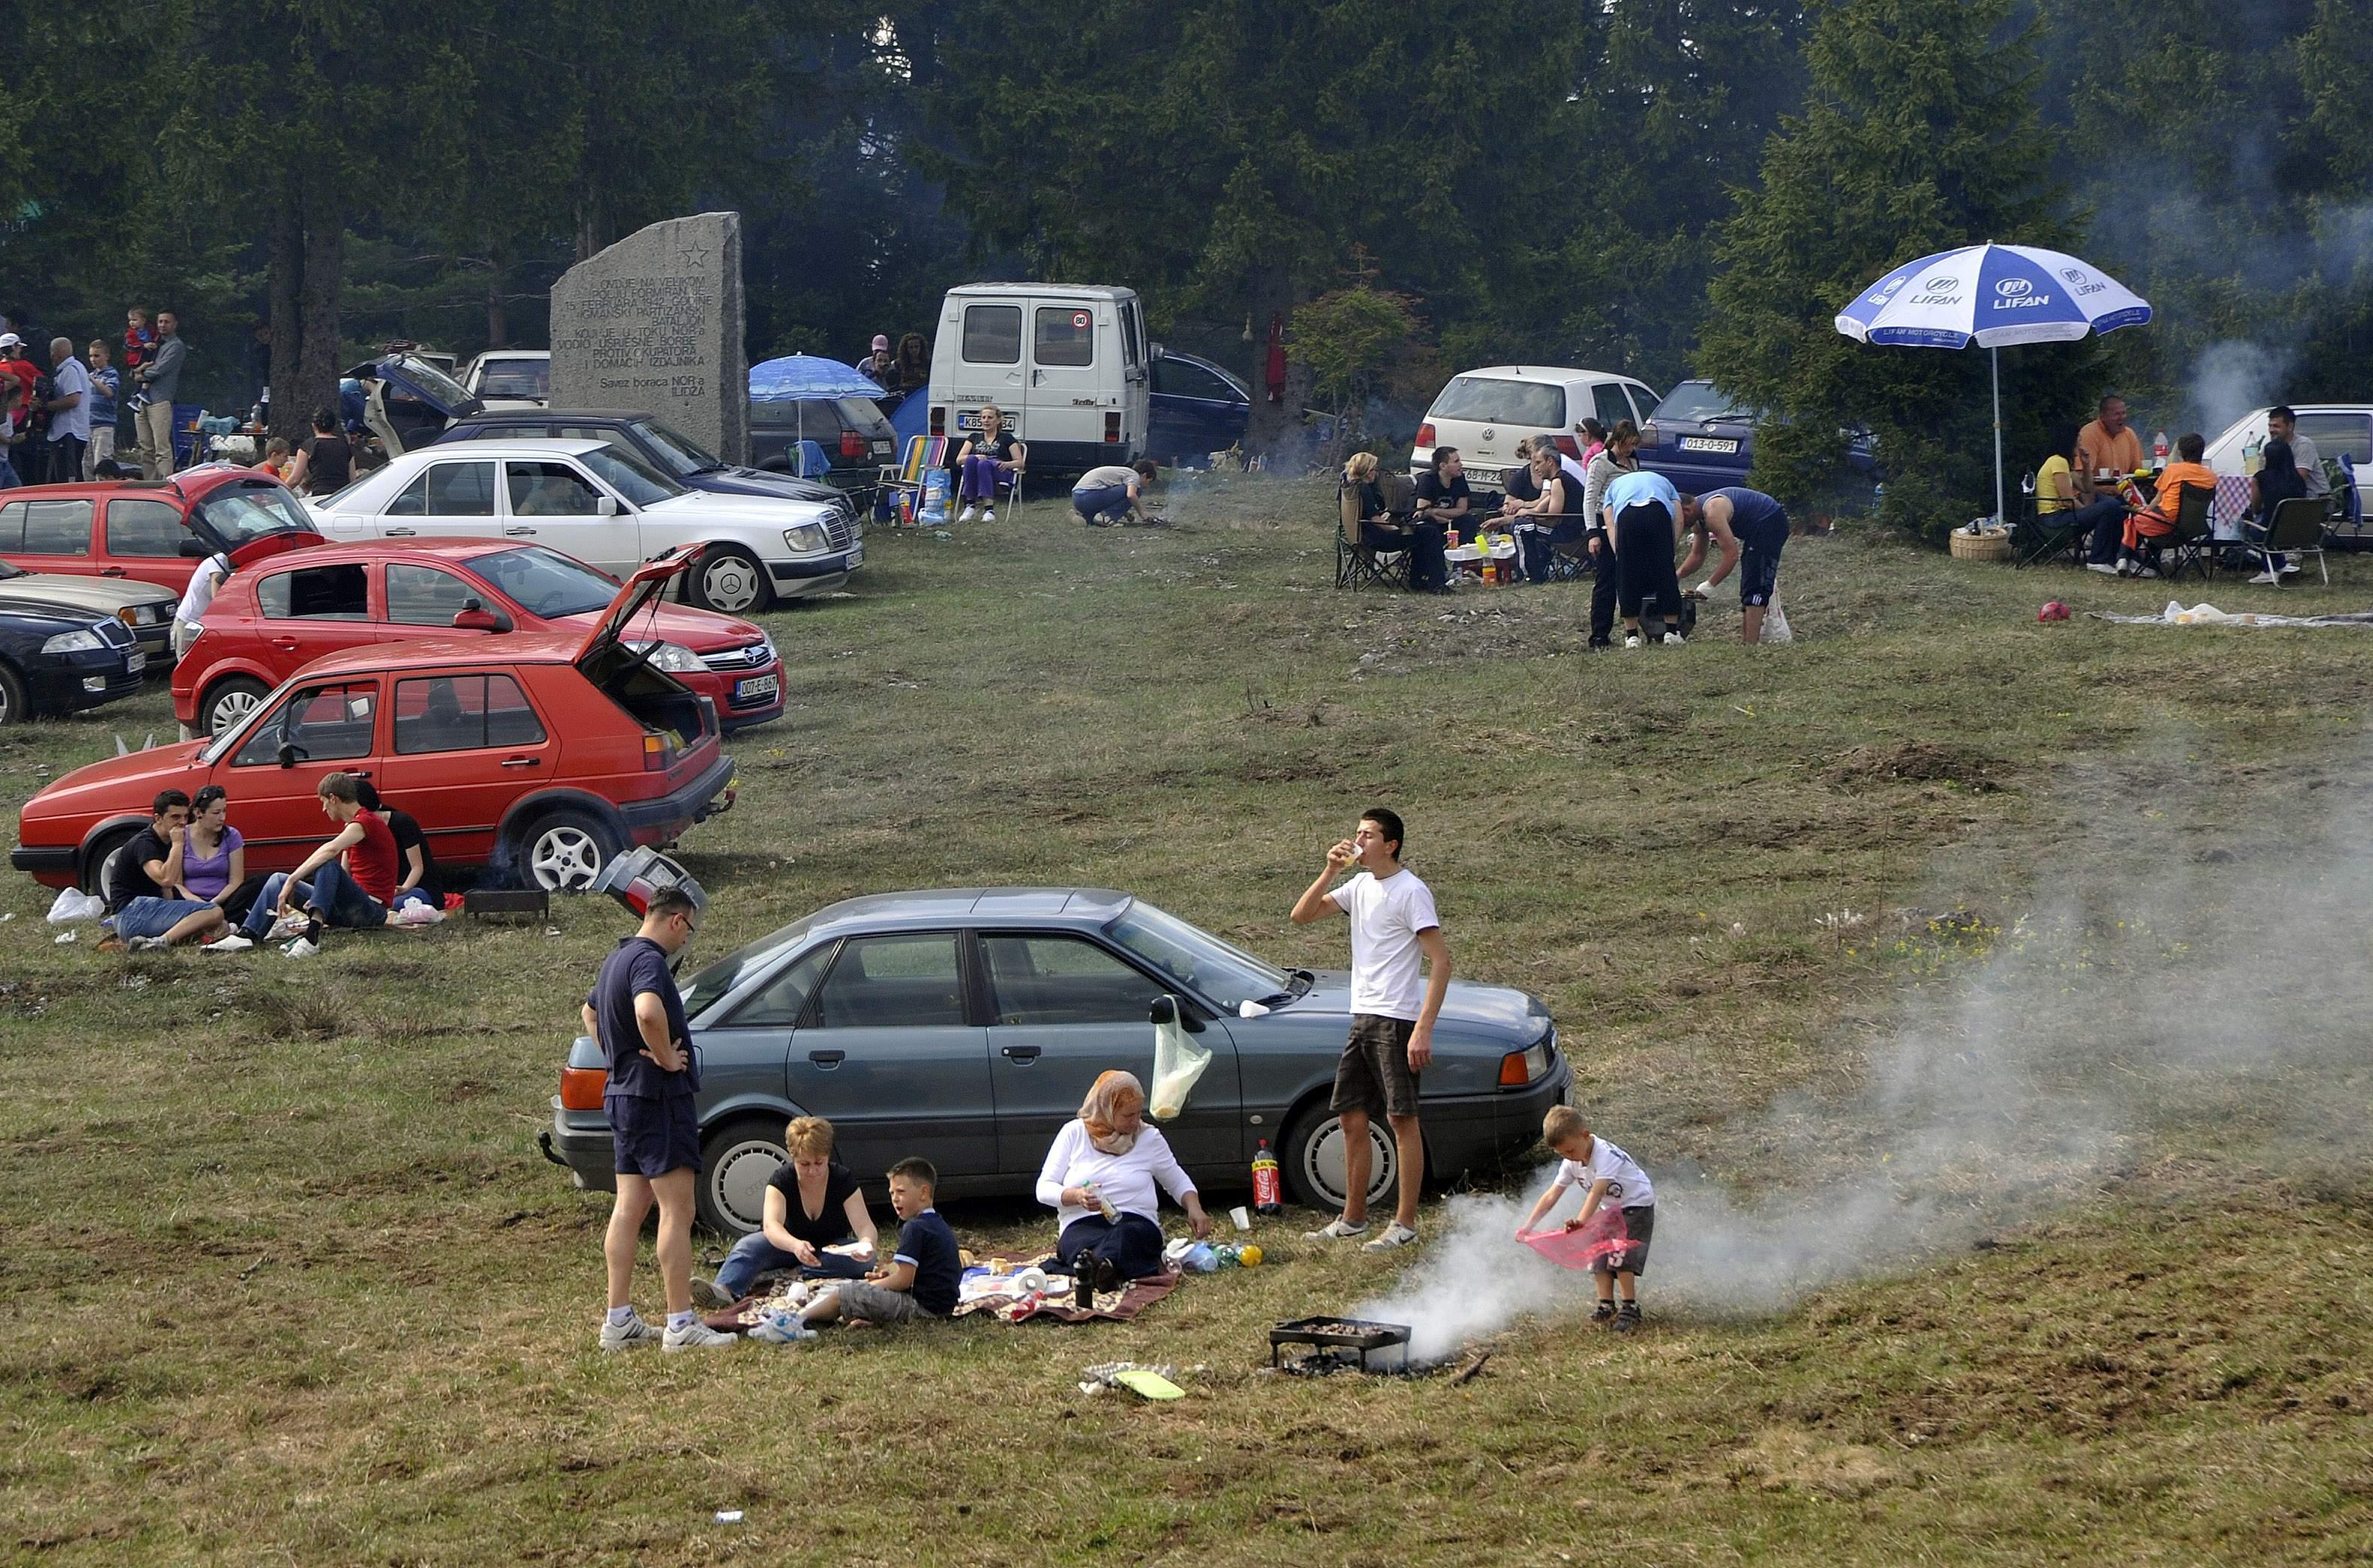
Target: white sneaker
[[988, 514], [300, 948], [2104, 567], [1396, 1236], [2147, 571], [1633, 640], [965, 516], [2289, 568], [235, 943], [631, 1335], [781, 1328], [706, 1297], [1340, 1229], [696, 1336], [1675, 640], [2263, 579], [143, 943]]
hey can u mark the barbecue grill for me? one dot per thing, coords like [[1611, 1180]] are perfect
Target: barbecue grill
[[1333, 1336]]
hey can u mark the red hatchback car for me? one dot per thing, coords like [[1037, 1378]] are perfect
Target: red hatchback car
[[265, 622], [149, 531], [545, 753]]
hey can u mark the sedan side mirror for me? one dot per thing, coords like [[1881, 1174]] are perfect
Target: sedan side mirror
[[291, 753], [1170, 1010], [473, 616], [606, 506]]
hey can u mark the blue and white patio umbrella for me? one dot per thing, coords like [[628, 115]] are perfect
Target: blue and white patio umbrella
[[1992, 295]]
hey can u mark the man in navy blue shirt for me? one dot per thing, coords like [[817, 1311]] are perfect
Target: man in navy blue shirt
[[635, 1013], [921, 1281], [1751, 528]]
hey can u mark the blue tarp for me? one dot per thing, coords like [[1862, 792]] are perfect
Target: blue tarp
[[808, 375]]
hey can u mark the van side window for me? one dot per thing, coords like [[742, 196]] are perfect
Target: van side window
[[1132, 334], [1608, 397], [1066, 336], [992, 334]]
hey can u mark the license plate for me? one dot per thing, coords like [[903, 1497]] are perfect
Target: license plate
[[1487, 476], [1708, 444], [135, 662], [856, 559], [756, 686]]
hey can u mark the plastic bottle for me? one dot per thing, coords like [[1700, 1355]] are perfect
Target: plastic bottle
[[1269, 1196], [2158, 448]]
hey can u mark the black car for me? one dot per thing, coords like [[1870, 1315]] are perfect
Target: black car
[[672, 453], [854, 433], [58, 661]]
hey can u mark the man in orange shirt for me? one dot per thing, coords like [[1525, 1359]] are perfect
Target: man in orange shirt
[[2158, 523], [2108, 442]]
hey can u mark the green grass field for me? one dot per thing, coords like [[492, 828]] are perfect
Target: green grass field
[[1991, 994]]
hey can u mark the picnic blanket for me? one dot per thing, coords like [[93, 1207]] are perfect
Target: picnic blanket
[[2205, 614], [1056, 1302]]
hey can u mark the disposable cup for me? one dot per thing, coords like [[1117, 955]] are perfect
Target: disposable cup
[[1241, 1218]]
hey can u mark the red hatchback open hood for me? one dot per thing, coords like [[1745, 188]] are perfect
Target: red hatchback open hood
[[650, 581]]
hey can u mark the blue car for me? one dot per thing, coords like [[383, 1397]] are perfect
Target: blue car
[[965, 1026], [1703, 440], [1195, 409]]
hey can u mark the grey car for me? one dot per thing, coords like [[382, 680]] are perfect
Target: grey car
[[965, 1026]]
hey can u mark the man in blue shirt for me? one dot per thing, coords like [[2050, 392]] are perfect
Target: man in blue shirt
[[1643, 512], [635, 1013], [1751, 528]]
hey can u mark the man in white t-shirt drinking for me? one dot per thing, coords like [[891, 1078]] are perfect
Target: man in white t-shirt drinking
[[1393, 927]]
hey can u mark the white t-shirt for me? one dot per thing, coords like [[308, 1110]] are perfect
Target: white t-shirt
[[1112, 477], [1387, 962], [1627, 1184], [204, 582]]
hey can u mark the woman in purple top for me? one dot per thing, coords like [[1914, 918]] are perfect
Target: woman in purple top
[[214, 859]]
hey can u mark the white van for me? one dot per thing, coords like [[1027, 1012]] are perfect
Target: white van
[[1484, 412], [1066, 362]]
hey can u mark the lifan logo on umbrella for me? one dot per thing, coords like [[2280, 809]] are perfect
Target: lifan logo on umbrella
[[2011, 287], [1937, 290], [2077, 280], [2018, 294]]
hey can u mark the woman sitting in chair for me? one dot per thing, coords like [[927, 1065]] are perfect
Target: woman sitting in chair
[[1370, 523], [989, 460], [2279, 480]]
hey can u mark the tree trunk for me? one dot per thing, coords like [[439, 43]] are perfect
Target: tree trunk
[[288, 409], [499, 326], [316, 380]]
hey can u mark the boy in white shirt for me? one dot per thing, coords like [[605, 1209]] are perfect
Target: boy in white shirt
[[1607, 1174], [1393, 927]]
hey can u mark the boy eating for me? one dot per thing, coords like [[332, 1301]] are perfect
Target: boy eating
[[920, 1281], [1608, 1174]]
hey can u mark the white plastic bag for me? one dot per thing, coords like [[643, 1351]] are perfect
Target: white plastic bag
[[1178, 1062], [1775, 624], [73, 905]]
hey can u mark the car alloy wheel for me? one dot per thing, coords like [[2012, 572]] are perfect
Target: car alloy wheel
[[567, 850], [230, 704], [12, 697], [730, 581], [737, 1160], [1315, 1153]]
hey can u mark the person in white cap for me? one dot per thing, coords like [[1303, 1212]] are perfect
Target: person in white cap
[[878, 367]]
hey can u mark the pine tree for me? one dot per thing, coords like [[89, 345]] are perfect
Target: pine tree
[[1919, 133]]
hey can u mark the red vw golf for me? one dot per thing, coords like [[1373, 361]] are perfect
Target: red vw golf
[[267, 622], [547, 752]]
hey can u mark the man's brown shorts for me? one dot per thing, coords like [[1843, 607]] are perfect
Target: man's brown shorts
[[1375, 1075]]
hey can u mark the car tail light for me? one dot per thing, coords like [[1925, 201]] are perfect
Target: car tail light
[[1112, 428], [1520, 1068], [1567, 445], [852, 443], [582, 1088], [939, 421], [659, 753], [1425, 436]]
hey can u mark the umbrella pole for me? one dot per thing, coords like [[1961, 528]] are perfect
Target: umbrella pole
[[1996, 355]]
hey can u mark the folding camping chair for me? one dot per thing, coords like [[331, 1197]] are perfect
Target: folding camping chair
[[2297, 530], [2039, 536], [923, 454], [1358, 561], [2193, 542]]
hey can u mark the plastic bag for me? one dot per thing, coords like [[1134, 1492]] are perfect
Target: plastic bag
[[1178, 1063], [73, 904], [1605, 1235], [934, 511], [1775, 624]]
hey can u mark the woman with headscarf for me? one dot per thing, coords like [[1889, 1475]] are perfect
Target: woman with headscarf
[[1100, 1178], [2278, 481]]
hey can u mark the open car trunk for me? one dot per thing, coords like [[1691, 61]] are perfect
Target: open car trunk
[[666, 708]]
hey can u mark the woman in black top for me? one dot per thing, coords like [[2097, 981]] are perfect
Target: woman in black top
[[1368, 520], [989, 460], [2278, 481], [327, 463], [811, 1203]]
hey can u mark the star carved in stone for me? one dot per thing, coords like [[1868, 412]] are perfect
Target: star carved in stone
[[694, 256]]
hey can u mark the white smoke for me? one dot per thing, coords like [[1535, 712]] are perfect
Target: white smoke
[[2154, 1007], [2231, 378]]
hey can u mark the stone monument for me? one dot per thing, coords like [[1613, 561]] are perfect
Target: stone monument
[[654, 324]]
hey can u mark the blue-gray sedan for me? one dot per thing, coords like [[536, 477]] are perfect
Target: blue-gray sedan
[[965, 1026]]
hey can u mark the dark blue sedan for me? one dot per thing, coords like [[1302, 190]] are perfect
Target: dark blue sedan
[[965, 1024], [1704, 440], [1195, 409]]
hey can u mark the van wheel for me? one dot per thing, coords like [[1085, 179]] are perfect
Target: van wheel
[[1313, 1162], [730, 581], [736, 1162], [564, 851], [94, 865], [228, 704], [12, 697]]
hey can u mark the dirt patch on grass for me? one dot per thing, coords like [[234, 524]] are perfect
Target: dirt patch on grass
[[1919, 762], [1787, 1459]]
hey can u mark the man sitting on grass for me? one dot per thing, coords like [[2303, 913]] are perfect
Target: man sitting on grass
[[352, 877], [920, 1281], [146, 903]]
